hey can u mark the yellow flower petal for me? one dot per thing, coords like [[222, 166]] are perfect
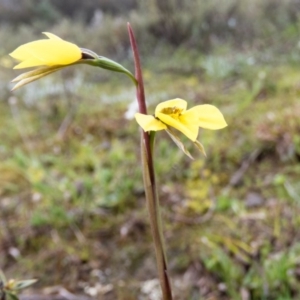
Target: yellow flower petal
[[53, 51], [209, 116], [52, 36], [149, 123], [189, 129], [175, 103], [189, 116], [28, 63]]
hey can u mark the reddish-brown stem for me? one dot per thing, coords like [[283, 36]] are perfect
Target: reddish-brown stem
[[140, 94], [149, 178], [138, 73]]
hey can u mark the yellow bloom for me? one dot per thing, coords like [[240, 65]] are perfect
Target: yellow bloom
[[53, 54], [48, 52], [49, 55], [173, 113]]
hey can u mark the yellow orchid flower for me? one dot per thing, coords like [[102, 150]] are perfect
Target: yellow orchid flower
[[53, 54], [48, 52], [49, 55], [174, 113]]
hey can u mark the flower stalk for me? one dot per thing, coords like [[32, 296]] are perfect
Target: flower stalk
[[147, 142]]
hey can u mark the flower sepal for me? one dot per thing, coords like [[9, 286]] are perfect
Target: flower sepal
[[179, 143], [33, 75], [200, 147]]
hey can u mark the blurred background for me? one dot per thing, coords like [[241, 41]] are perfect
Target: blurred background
[[72, 207]]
